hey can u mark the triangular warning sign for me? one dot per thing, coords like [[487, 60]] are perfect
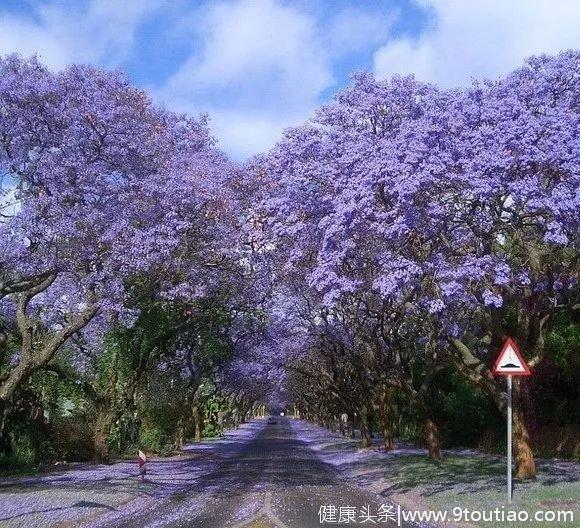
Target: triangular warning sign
[[510, 361]]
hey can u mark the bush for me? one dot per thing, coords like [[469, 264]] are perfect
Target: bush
[[557, 441], [72, 438], [27, 450], [463, 412], [152, 439], [212, 430]]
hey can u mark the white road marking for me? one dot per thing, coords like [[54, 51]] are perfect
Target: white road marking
[[265, 511]]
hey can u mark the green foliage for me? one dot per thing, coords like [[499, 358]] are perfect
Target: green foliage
[[212, 430], [374, 422], [153, 439], [563, 343], [158, 426], [464, 412], [29, 447], [72, 438], [142, 372], [407, 425], [211, 407], [145, 375], [465, 415], [554, 385]]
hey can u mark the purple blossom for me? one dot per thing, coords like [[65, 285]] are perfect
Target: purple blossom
[[555, 234], [524, 279], [502, 274], [492, 299], [436, 306]]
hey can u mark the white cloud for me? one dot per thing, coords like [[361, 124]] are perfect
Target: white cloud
[[20, 36], [256, 66], [257, 53], [102, 32], [245, 133], [263, 65], [481, 39], [354, 29], [246, 38]]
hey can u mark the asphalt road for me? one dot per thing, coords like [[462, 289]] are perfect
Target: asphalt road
[[271, 480]]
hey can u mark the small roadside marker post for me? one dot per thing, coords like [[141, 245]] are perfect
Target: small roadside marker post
[[510, 363], [142, 460]]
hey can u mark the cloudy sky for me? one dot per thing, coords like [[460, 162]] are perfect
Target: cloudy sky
[[258, 66]]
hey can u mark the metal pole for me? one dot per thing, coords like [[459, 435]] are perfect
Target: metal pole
[[509, 439]]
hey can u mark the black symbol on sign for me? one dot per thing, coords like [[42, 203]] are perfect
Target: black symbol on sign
[[510, 365]]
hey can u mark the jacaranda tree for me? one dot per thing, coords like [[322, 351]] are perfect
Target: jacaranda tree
[[401, 233], [101, 188], [456, 210]]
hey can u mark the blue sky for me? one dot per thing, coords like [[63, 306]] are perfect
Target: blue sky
[[258, 66]]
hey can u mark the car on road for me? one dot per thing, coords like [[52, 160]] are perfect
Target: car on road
[[272, 420]]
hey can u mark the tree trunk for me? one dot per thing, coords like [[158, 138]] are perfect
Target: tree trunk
[[3, 343], [32, 360], [179, 438], [103, 425], [384, 416], [525, 464], [432, 439], [5, 441], [198, 419], [524, 455], [366, 440], [19, 374]]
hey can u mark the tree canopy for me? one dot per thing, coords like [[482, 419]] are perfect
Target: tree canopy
[[368, 266]]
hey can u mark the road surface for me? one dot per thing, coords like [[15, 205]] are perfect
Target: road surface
[[257, 476], [272, 479]]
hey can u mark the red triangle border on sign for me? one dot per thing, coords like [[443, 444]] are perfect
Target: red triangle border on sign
[[509, 341]]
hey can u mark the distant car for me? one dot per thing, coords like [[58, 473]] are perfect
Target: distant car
[[272, 420]]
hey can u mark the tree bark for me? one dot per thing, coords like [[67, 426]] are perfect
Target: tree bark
[[3, 343], [433, 440], [384, 416], [198, 423], [179, 438], [103, 424], [16, 377], [475, 371], [31, 359], [366, 440], [524, 455], [341, 425], [5, 443]]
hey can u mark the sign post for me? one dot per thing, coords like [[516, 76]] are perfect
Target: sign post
[[509, 439], [510, 363]]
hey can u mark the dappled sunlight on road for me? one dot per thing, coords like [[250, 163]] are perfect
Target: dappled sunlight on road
[[258, 475]]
